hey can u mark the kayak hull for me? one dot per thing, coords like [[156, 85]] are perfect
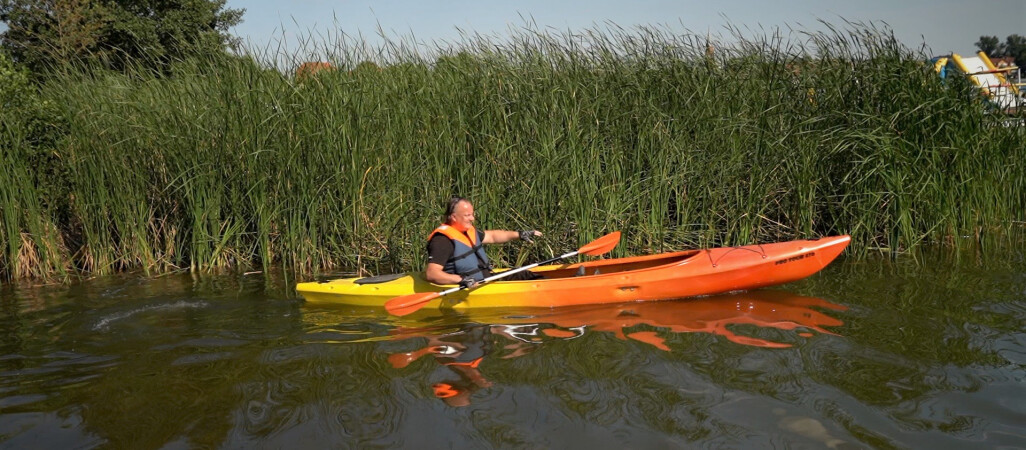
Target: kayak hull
[[640, 278]]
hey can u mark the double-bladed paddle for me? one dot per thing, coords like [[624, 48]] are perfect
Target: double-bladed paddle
[[407, 304]]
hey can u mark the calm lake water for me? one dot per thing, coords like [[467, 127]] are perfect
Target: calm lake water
[[913, 352]]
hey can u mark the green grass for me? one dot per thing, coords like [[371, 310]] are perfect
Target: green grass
[[230, 164]]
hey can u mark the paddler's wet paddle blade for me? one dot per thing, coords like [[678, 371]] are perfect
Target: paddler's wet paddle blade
[[407, 304], [601, 245]]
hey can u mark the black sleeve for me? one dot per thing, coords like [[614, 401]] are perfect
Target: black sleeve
[[440, 249]]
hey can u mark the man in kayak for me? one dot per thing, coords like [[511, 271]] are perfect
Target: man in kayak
[[456, 249]]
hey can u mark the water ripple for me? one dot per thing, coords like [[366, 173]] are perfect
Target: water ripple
[[18, 400], [104, 323]]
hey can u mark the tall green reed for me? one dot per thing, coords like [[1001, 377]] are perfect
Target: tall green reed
[[231, 163]]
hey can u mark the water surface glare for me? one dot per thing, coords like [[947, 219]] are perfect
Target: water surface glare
[[867, 354]]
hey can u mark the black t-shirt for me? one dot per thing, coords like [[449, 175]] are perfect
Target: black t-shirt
[[441, 248]]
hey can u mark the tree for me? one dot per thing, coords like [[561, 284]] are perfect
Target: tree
[[1014, 46], [43, 34], [50, 30], [990, 45], [14, 85]]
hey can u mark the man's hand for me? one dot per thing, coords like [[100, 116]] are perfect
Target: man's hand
[[529, 235], [468, 282]]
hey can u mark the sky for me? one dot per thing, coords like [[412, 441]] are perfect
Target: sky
[[945, 26]]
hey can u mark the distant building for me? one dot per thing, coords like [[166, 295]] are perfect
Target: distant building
[[309, 69], [1002, 62]]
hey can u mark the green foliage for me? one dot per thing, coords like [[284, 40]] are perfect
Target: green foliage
[[1014, 46], [230, 164], [31, 178], [15, 88], [990, 45], [36, 119], [47, 34]]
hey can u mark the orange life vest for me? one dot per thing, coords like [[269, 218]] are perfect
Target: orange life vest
[[468, 257]]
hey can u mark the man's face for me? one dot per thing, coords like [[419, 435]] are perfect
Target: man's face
[[462, 217]]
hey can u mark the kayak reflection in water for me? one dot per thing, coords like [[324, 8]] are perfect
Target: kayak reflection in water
[[456, 249], [461, 352]]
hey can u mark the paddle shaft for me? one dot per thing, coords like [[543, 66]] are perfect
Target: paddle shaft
[[512, 271]]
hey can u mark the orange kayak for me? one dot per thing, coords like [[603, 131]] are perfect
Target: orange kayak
[[640, 278]]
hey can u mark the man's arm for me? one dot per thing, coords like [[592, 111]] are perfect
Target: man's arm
[[435, 274], [500, 236], [440, 249]]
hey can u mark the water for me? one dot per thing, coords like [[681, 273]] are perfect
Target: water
[[876, 353]]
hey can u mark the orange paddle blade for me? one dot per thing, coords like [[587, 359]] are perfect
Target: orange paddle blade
[[406, 304], [601, 245], [400, 360]]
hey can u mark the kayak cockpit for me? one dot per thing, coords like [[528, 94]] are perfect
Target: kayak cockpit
[[607, 266], [557, 271]]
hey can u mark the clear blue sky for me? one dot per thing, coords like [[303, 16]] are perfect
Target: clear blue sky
[[944, 25]]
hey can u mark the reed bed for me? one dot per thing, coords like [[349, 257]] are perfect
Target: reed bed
[[229, 163]]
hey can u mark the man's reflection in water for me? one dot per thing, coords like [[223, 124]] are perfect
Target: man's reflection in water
[[460, 353]]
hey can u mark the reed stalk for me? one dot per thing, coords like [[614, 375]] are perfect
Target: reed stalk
[[231, 162]]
